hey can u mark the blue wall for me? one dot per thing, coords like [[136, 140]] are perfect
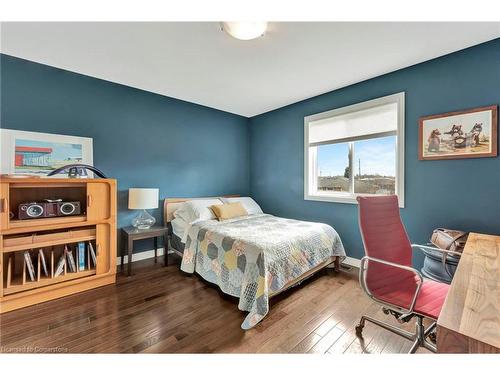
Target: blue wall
[[149, 140], [462, 194], [141, 139]]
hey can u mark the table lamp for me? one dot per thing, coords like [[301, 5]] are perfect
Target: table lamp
[[143, 199]]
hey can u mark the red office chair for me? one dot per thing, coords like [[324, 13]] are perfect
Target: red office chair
[[386, 272]]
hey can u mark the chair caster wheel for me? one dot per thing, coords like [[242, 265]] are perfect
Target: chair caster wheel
[[359, 330]]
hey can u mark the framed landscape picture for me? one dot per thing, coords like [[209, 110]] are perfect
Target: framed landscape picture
[[33, 153], [471, 133]]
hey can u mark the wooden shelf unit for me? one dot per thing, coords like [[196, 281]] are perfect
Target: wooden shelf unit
[[96, 224]]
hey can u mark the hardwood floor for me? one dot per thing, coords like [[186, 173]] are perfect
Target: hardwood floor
[[162, 310]]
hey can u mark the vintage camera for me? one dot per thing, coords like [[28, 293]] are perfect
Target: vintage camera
[[49, 208]]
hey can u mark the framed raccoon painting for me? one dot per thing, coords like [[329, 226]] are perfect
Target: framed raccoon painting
[[471, 133]]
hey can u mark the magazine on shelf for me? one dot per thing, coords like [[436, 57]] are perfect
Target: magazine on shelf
[[29, 265], [43, 262], [92, 254], [60, 265], [70, 259], [80, 255]]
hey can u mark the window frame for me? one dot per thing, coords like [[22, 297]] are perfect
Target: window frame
[[309, 156]]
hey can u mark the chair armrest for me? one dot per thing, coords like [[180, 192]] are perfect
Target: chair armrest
[[427, 247], [362, 281]]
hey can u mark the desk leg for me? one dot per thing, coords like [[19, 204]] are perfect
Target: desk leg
[[130, 247], [165, 248], [156, 247]]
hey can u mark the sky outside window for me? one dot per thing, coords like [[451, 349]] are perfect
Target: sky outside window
[[377, 156]]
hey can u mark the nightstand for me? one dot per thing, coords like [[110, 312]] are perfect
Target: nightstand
[[131, 234]]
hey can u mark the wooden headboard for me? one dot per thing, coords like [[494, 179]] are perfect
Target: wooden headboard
[[172, 204]]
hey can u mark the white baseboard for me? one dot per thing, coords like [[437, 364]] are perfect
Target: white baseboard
[[140, 256], [353, 262]]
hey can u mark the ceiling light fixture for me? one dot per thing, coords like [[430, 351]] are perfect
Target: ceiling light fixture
[[244, 30]]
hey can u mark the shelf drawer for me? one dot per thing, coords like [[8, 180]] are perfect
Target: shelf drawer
[[16, 243]]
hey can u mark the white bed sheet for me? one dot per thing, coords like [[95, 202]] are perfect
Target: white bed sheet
[[179, 227]]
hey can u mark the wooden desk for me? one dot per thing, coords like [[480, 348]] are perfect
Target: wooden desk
[[470, 319]]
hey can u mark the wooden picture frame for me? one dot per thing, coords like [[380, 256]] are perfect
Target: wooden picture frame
[[471, 133]]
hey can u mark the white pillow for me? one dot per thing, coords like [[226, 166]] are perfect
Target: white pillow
[[250, 205], [196, 210]]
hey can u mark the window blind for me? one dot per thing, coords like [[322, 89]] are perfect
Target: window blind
[[379, 120]]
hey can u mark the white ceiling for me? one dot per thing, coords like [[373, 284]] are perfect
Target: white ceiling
[[197, 62]]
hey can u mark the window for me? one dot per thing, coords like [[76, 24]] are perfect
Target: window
[[355, 150]]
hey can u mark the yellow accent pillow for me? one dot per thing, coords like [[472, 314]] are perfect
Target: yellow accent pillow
[[228, 210]]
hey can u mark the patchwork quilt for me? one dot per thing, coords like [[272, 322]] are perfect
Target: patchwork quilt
[[254, 256]]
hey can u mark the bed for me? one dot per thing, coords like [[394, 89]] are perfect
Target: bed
[[253, 257]]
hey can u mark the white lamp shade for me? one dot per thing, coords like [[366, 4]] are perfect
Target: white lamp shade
[[139, 198]]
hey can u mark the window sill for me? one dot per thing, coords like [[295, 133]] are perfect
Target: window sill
[[331, 198]]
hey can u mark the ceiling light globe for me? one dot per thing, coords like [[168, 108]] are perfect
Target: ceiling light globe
[[245, 30]]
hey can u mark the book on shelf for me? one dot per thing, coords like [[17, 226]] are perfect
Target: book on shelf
[[29, 265], [70, 259], [43, 262], [92, 254], [80, 255], [60, 265]]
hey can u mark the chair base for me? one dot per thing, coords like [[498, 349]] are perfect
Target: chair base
[[419, 338]]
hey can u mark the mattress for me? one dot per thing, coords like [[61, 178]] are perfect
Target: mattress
[[256, 256]]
